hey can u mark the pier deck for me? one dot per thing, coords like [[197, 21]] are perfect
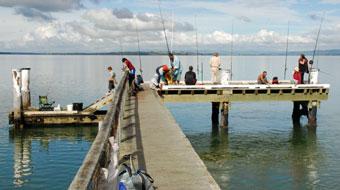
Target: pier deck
[[245, 92], [168, 154]]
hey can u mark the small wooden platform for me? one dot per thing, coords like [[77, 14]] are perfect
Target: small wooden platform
[[91, 115]]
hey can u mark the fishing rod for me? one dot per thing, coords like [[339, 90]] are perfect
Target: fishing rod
[[197, 57], [317, 39], [139, 56], [165, 36], [231, 50], [315, 47], [285, 70], [172, 31]]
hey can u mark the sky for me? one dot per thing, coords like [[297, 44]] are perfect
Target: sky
[[115, 25]]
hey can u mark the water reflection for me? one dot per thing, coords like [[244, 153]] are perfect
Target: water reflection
[[305, 157], [23, 140], [265, 160]]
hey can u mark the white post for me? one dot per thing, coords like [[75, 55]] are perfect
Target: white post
[[17, 102], [25, 88]]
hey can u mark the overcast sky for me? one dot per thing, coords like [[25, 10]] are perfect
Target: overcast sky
[[102, 25]]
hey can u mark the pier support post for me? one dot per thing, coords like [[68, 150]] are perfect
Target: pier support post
[[312, 111], [296, 112], [215, 109], [224, 115], [17, 98], [25, 88]]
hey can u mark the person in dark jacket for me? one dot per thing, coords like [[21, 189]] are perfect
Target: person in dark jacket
[[190, 77], [303, 66]]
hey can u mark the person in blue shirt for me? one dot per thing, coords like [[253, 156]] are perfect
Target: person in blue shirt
[[176, 68]]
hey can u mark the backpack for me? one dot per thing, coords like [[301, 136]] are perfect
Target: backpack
[[140, 180]]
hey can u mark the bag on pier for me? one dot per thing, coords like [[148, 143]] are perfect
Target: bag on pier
[[140, 180]]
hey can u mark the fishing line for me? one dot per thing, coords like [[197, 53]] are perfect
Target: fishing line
[[285, 70], [231, 50], [139, 56], [197, 57]]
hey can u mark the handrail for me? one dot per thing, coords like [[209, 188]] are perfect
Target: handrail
[[87, 175]]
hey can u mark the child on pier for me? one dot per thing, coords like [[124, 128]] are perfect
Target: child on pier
[[112, 79]]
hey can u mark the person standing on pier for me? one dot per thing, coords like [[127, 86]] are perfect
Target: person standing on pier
[[112, 79], [303, 66], [176, 67], [132, 74], [262, 78], [215, 63], [190, 77], [129, 66]]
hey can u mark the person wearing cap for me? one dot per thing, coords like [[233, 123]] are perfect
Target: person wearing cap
[[176, 68], [262, 78], [297, 76], [160, 76], [190, 77], [215, 63]]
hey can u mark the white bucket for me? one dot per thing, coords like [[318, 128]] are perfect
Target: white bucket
[[225, 77], [58, 108], [69, 107], [314, 76]]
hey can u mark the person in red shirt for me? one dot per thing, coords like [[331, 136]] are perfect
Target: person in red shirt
[[132, 71], [297, 76]]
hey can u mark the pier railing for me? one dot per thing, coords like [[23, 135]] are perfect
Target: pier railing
[[88, 175]]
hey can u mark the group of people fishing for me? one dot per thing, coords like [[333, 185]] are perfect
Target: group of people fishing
[[299, 72], [171, 73]]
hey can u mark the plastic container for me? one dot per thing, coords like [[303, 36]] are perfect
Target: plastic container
[[314, 76], [58, 108], [69, 107], [225, 77]]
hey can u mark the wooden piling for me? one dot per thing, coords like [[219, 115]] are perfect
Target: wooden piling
[[224, 115], [17, 98], [312, 112], [25, 88], [296, 112], [215, 109]]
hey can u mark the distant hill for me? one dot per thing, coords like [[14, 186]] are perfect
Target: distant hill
[[332, 52]]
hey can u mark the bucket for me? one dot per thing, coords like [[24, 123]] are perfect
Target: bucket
[[314, 76], [69, 107], [225, 76]]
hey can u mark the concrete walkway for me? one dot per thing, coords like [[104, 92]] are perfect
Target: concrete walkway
[[169, 157]]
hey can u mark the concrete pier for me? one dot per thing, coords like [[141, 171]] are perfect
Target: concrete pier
[[169, 156]]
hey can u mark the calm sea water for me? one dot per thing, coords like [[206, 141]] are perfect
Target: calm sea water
[[261, 150]]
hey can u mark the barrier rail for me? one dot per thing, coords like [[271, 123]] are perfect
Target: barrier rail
[[88, 174]]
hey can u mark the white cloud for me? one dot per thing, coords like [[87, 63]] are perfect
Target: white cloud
[[126, 21]]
